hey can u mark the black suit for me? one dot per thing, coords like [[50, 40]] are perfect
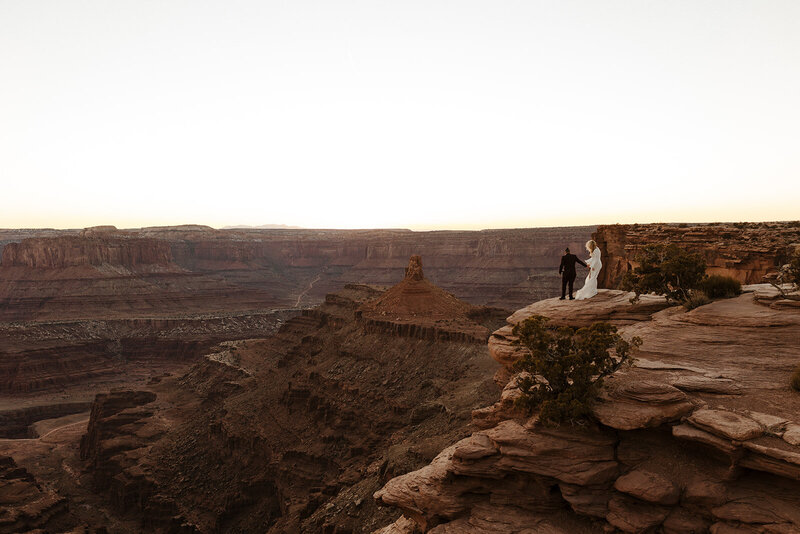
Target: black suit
[[567, 272]]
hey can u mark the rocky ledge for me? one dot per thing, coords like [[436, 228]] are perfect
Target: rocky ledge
[[702, 434]]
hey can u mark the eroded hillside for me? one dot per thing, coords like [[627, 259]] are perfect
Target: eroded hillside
[[292, 433]]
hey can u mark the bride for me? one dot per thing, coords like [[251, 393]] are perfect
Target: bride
[[589, 288]]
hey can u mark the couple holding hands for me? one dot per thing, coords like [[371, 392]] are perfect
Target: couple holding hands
[[568, 274]]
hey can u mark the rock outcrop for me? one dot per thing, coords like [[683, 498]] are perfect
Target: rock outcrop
[[417, 308], [26, 505], [122, 427], [744, 251], [612, 306], [700, 435]]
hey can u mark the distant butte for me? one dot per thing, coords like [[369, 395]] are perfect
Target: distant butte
[[415, 307]]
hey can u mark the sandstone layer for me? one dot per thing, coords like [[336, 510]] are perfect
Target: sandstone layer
[[745, 251], [700, 435]]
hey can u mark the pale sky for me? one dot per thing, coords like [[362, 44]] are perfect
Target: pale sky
[[413, 114]]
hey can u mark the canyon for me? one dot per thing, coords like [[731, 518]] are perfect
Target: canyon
[[289, 433], [185, 379], [82, 311], [106, 272]]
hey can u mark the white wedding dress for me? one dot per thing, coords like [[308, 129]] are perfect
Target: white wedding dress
[[589, 288]]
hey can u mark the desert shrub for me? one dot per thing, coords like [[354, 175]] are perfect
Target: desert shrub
[[696, 299], [665, 269], [793, 269], [567, 367], [718, 286], [795, 380], [789, 274]]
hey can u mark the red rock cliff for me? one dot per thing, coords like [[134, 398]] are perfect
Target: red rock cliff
[[74, 251], [700, 434], [745, 251]]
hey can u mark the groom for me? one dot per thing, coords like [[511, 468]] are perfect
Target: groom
[[567, 272]]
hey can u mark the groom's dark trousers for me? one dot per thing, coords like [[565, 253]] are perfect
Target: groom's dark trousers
[[567, 272]]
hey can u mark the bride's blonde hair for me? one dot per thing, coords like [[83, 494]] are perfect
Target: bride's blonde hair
[[591, 245]]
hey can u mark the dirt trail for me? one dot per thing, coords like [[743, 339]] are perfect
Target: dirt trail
[[41, 438], [306, 290]]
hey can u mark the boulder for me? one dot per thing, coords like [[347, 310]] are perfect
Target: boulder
[[726, 424], [568, 455], [681, 521], [757, 508], [428, 494], [792, 434], [705, 492], [502, 348], [773, 423], [634, 404], [634, 516], [690, 433], [503, 409], [703, 384], [587, 500], [776, 460], [648, 486], [403, 525]]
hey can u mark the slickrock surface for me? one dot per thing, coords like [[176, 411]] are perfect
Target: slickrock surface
[[745, 251], [699, 435], [608, 305]]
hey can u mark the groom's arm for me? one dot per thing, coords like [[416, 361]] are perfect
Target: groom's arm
[[561, 267], [581, 262]]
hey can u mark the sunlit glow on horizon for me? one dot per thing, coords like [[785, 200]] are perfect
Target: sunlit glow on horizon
[[419, 115]]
